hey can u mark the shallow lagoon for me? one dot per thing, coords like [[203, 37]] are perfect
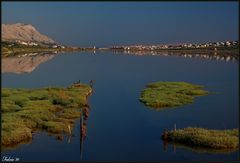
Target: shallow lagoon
[[119, 127]]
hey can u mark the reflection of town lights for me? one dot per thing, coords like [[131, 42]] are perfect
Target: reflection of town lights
[[228, 58], [212, 56]]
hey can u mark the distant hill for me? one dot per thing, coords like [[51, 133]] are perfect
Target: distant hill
[[23, 32]]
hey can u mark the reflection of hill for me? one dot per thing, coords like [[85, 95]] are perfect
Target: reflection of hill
[[24, 64]]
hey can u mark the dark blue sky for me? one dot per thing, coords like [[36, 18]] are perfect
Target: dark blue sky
[[119, 23]]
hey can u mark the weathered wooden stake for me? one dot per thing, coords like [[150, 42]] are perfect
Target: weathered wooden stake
[[69, 129]]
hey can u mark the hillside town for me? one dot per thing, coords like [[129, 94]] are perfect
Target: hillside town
[[184, 46], [33, 44]]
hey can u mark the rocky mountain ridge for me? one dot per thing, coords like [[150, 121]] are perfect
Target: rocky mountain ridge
[[24, 32]]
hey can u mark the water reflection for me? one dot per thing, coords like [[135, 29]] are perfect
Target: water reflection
[[15, 146], [83, 127], [25, 63], [223, 56], [172, 146], [83, 123], [133, 136]]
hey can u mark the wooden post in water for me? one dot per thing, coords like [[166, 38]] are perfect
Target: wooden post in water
[[175, 127], [174, 148], [69, 129], [91, 83]]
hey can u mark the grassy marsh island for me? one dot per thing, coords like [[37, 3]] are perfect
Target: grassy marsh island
[[51, 109], [205, 138], [170, 94]]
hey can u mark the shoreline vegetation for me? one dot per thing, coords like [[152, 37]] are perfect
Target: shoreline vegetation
[[51, 109], [159, 95], [10, 49], [218, 140]]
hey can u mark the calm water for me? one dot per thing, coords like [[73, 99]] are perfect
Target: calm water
[[119, 127]]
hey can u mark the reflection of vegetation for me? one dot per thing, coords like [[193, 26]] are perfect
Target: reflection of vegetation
[[199, 149], [218, 140], [170, 94], [50, 109], [15, 146]]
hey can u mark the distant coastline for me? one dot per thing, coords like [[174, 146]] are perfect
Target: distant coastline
[[21, 39], [224, 53], [16, 48]]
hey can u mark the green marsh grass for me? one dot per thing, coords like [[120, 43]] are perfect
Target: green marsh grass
[[205, 138], [170, 94], [49, 109]]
